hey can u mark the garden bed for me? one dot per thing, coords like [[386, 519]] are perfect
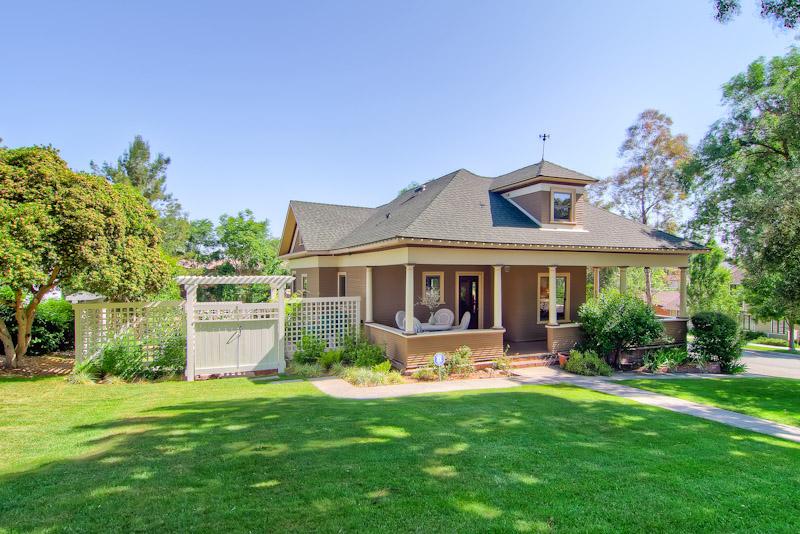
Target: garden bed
[[54, 364]]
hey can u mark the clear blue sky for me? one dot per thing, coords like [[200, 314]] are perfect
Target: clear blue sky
[[346, 102]]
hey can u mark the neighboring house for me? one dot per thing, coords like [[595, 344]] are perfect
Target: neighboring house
[[772, 328], [667, 303], [503, 249]]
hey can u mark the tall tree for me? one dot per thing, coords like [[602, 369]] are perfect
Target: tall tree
[[746, 172], [647, 188], [60, 227], [773, 281], [138, 168], [745, 162], [783, 12], [710, 283]]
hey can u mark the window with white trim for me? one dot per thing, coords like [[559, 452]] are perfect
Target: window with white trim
[[434, 280], [342, 285], [562, 206], [562, 298]]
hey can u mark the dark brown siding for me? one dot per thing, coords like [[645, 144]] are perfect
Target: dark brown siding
[[519, 300], [389, 291]]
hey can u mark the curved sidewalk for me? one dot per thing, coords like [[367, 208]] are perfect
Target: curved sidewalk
[[336, 387]]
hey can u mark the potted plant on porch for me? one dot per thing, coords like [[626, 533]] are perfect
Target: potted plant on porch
[[431, 300]]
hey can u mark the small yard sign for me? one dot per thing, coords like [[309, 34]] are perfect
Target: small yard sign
[[438, 361]]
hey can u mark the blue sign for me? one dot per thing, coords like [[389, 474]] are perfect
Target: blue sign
[[438, 359]]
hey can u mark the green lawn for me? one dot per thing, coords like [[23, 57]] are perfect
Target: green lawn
[[765, 348], [777, 399], [233, 455]]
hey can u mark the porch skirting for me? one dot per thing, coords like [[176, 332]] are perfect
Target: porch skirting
[[409, 351]]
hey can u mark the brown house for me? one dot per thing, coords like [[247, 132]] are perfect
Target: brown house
[[499, 251]]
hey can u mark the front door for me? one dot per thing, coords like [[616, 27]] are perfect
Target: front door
[[468, 298]]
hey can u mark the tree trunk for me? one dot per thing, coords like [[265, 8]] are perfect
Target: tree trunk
[[8, 346], [791, 336], [648, 286]]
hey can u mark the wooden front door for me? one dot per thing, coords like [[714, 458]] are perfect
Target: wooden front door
[[469, 294]]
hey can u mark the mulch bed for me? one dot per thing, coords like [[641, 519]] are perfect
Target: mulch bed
[[56, 364]]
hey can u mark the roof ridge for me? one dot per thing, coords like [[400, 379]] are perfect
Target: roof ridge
[[329, 204], [452, 176]]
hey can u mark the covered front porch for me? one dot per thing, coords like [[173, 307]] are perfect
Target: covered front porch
[[509, 309]]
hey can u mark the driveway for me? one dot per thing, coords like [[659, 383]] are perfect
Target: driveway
[[772, 364]]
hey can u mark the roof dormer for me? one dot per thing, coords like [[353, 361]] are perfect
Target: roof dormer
[[551, 195]]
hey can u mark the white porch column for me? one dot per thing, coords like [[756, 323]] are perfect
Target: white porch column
[[552, 318], [596, 281], [498, 297], [368, 297], [191, 299], [623, 279], [281, 301], [682, 312], [409, 299]]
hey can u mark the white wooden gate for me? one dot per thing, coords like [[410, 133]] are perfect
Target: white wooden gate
[[234, 337]]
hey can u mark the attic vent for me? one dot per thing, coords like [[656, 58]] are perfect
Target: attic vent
[[388, 215], [420, 189]]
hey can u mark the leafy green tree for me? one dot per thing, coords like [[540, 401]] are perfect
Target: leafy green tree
[[746, 173], [60, 227], [772, 286], [647, 188], [710, 283], [783, 12], [247, 244], [138, 168], [202, 244], [734, 169]]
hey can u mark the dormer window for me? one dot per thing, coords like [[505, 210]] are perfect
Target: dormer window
[[562, 206]]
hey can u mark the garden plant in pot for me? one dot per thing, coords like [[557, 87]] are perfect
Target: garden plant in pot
[[431, 300]]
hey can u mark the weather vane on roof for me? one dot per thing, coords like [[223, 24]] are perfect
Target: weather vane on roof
[[544, 137]]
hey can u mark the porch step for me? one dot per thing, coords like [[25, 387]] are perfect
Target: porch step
[[533, 361]]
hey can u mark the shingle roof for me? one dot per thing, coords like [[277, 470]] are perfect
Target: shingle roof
[[322, 225], [461, 206], [543, 168]]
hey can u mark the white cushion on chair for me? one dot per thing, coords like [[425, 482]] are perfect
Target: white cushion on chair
[[400, 319], [443, 316]]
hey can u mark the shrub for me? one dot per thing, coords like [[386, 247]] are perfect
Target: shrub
[[503, 363], [615, 322], [337, 369], [749, 335], [669, 357], [362, 376], [717, 338], [358, 351], [328, 359], [84, 372], [460, 362], [304, 370], [170, 359], [763, 340], [310, 350], [123, 358], [383, 367], [53, 326], [587, 363], [424, 373]]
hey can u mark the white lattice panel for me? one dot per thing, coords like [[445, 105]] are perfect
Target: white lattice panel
[[148, 323], [235, 311], [328, 318]]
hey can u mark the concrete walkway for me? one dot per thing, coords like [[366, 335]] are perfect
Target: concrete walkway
[[336, 387]]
